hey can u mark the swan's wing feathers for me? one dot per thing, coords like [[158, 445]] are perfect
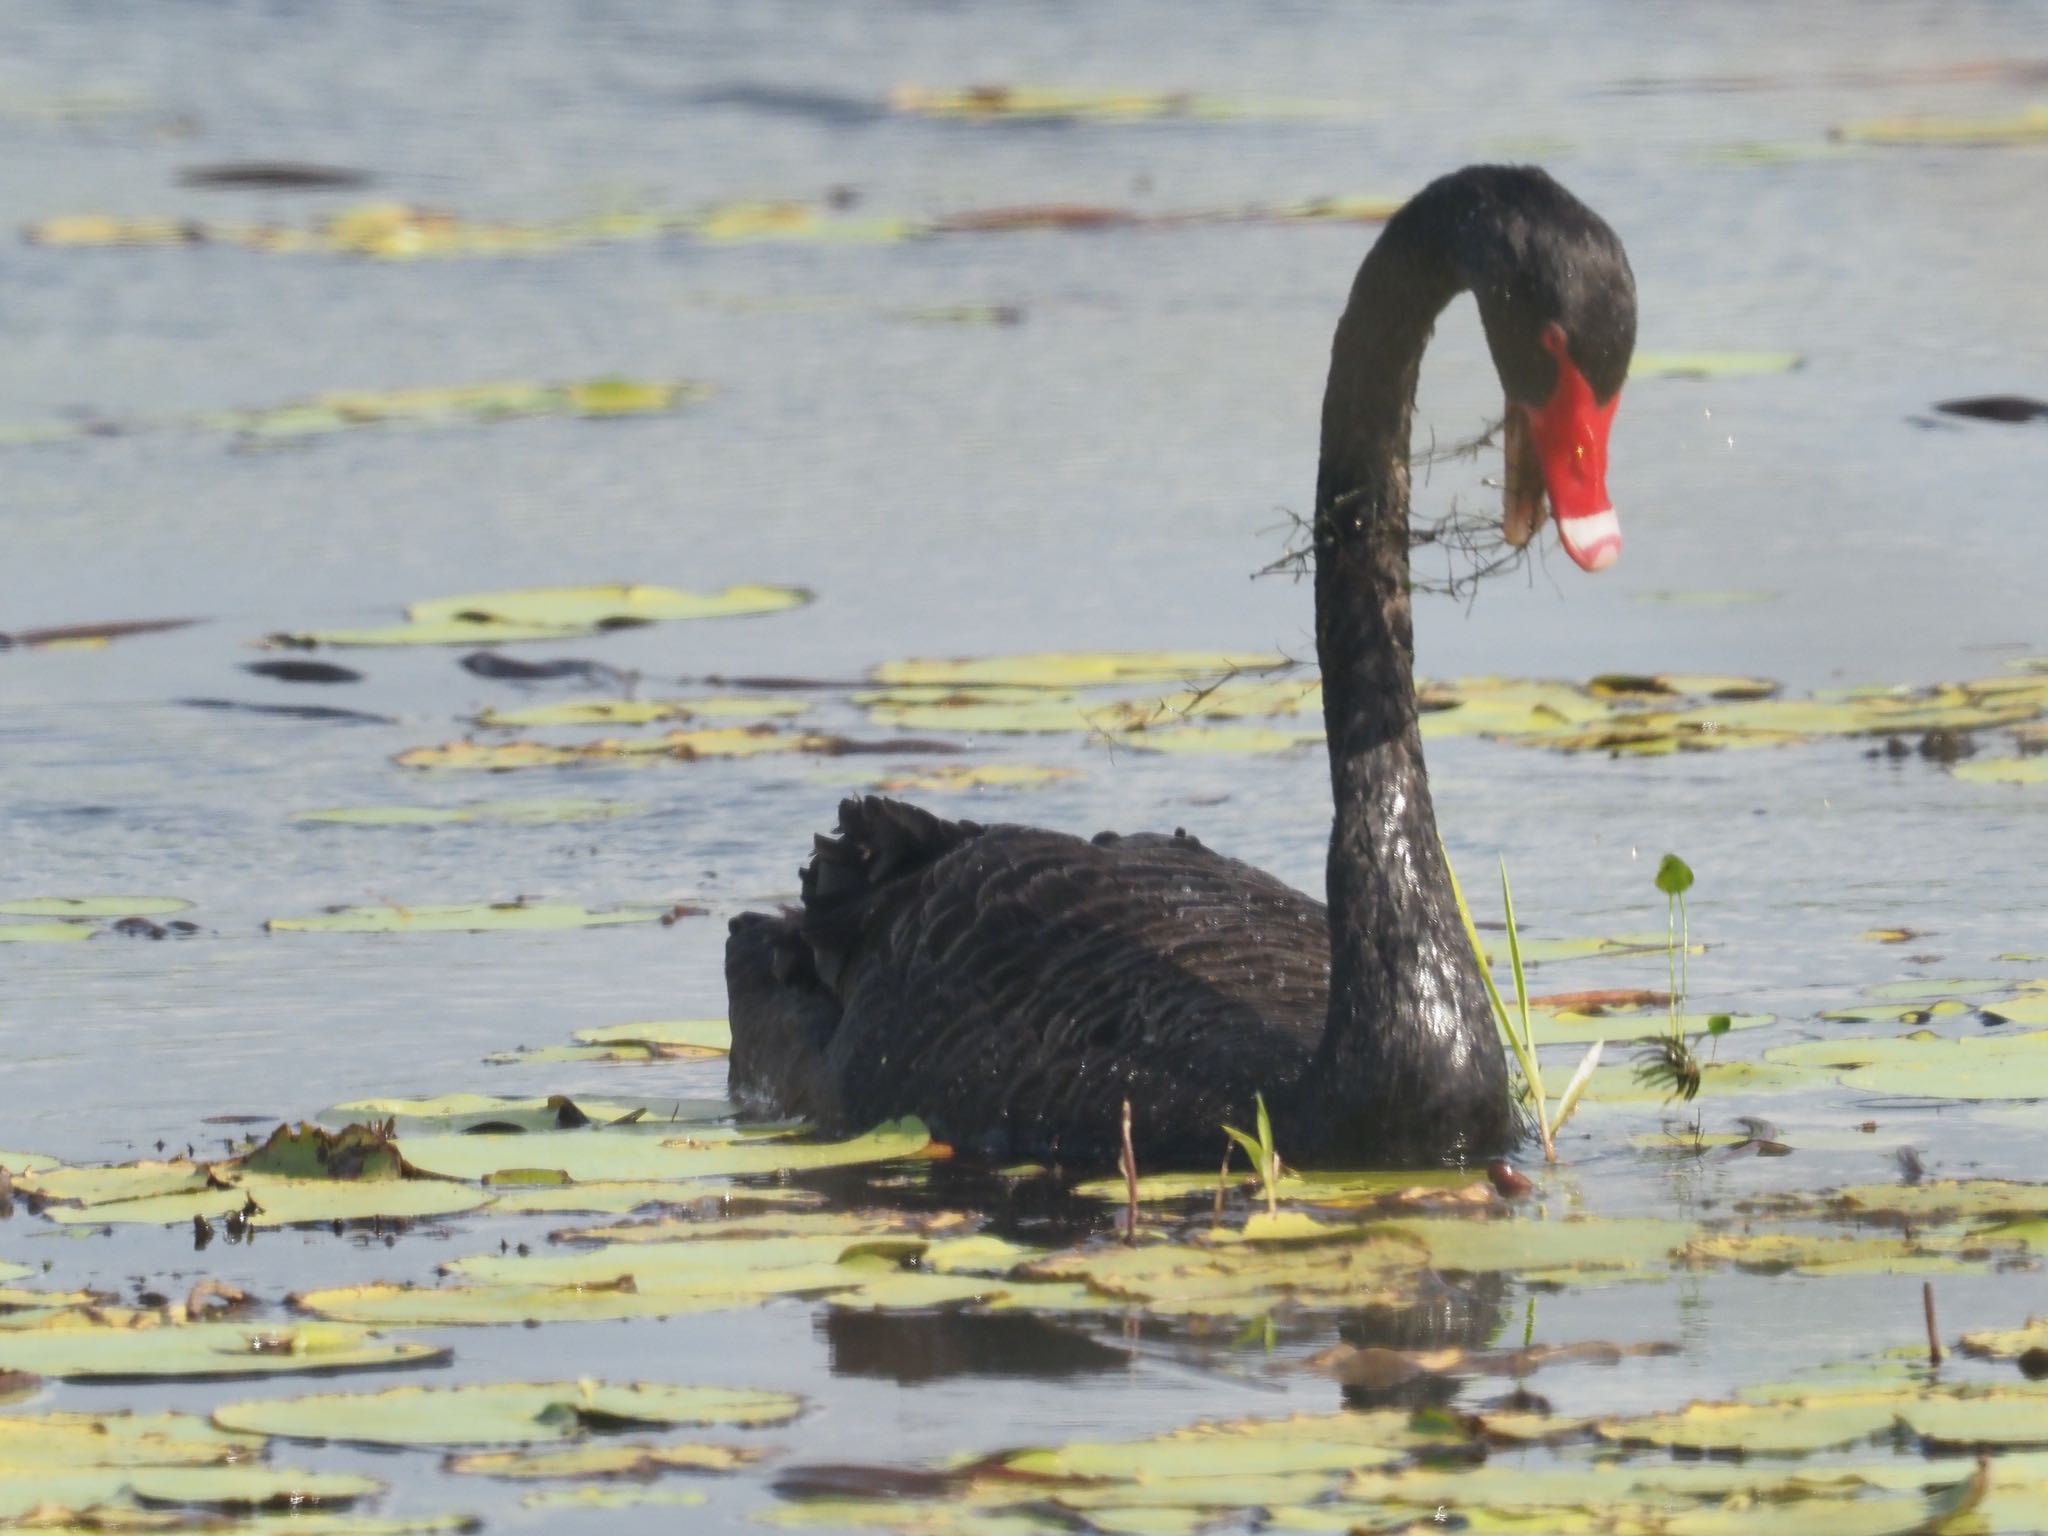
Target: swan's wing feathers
[[1029, 980], [880, 843]]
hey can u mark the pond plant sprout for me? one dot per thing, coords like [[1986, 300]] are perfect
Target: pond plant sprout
[[1671, 1061], [1265, 1159]]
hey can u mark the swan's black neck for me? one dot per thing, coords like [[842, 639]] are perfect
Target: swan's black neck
[[1410, 1068]]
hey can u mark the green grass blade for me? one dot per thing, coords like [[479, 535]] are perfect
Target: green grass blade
[[1507, 901], [1524, 1057]]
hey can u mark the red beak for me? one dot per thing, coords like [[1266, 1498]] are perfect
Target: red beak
[[1561, 447]]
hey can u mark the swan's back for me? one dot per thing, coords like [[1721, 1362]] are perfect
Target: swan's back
[[1013, 986]]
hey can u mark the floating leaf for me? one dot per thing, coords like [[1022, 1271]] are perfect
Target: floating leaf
[[628, 1154], [521, 813], [45, 933], [1771, 1429], [674, 1037], [1711, 365], [547, 613], [683, 746], [478, 917], [2026, 127], [2002, 770], [600, 1496], [609, 1459], [639, 711], [107, 1345], [1583, 1027], [1774, 1253], [466, 1112], [1071, 669], [952, 778], [1048, 104], [501, 1413], [93, 906]]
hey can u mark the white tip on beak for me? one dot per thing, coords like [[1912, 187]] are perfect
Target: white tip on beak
[[1593, 540]]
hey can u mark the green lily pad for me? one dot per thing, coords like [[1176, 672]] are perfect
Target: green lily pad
[[473, 917], [2026, 127], [518, 813], [1711, 365], [1764, 1429], [676, 1037], [612, 1298], [1585, 1245], [46, 1442], [552, 613], [1996, 1417], [97, 1345], [608, 1496], [616, 712], [621, 1198], [465, 1112], [1577, 1027], [97, 1496], [605, 606], [612, 1156], [1773, 1253], [605, 1459], [1994, 1067], [2002, 770], [1072, 669], [45, 933], [2007, 1343], [502, 1413], [285, 1203], [93, 906]]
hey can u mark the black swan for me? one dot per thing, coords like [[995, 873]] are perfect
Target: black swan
[[1014, 986]]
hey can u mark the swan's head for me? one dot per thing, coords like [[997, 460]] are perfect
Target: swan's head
[[1562, 330]]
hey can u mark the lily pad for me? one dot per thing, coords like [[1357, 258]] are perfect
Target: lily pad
[[468, 1112], [548, 613], [2002, 770], [616, 712], [608, 1459], [953, 778], [520, 813], [1711, 365], [93, 906], [1789, 1428], [98, 1345], [2027, 127], [676, 1037], [1072, 669], [502, 1413], [615, 1156], [1571, 1026], [476, 917], [45, 933]]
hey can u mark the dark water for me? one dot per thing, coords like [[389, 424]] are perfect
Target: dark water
[[1104, 474]]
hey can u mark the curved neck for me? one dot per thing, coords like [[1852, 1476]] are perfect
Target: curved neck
[[1410, 1066]]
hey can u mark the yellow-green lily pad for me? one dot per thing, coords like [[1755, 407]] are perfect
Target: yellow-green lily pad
[[502, 1413], [641, 711], [95, 1345], [632, 1460], [473, 917], [518, 813], [1711, 365], [1072, 669], [93, 906], [677, 1037]]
